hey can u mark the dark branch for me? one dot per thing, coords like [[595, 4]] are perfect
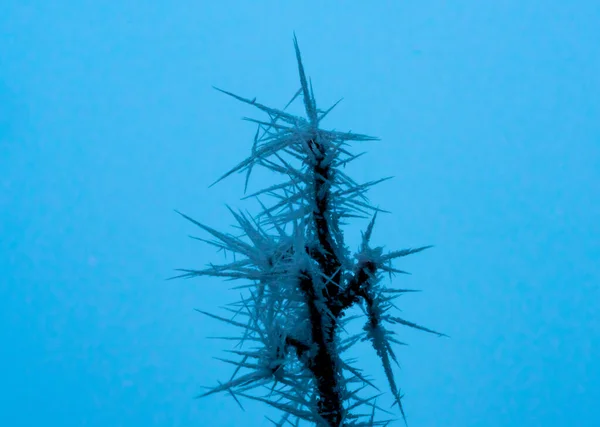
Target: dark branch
[[328, 261], [300, 348], [323, 365], [356, 287]]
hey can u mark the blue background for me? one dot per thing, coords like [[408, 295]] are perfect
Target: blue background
[[488, 114]]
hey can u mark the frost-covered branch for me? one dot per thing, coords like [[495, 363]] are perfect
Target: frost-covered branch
[[300, 278]]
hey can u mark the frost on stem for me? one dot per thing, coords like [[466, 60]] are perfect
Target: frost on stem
[[300, 277]]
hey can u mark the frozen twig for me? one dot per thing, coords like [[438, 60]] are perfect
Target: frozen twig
[[302, 277]]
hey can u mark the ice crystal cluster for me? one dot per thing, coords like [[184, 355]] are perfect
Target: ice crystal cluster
[[300, 278]]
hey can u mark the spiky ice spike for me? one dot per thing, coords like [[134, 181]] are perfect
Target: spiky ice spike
[[301, 278]]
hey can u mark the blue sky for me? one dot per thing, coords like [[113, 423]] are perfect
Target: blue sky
[[488, 114]]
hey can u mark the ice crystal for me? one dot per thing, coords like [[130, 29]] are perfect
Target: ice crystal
[[300, 278]]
